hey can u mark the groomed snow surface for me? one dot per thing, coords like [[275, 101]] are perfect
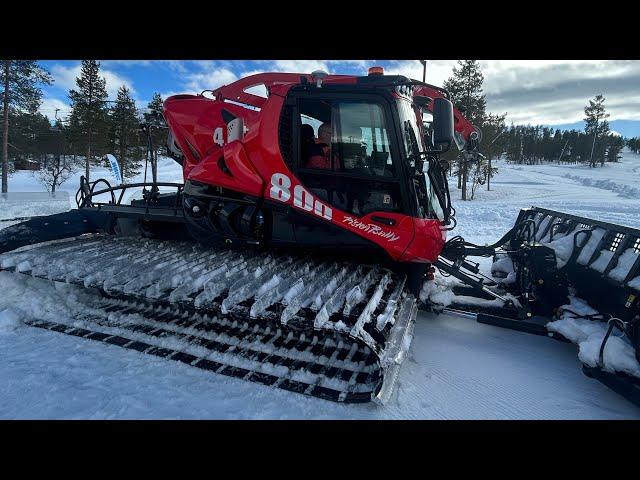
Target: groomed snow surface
[[456, 368]]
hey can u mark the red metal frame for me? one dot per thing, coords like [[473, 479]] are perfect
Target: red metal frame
[[254, 165]]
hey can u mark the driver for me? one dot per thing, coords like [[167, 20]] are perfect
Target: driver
[[322, 157]]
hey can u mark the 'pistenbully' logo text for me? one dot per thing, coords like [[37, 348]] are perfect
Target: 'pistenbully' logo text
[[371, 228]]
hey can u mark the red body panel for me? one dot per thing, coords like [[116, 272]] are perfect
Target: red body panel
[[256, 166], [241, 175]]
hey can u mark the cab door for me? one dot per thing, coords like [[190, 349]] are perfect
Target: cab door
[[352, 163]]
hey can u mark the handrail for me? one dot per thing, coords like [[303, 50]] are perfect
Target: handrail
[[86, 192]]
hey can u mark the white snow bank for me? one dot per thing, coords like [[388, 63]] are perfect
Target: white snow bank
[[625, 262], [30, 204], [621, 189], [563, 247], [504, 270], [9, 320], [600, 264], [619, 354], [591, 246], [440, 292], [35, 298], [435, 293]]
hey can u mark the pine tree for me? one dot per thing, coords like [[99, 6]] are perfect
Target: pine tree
[[596, 125], [88, 117], [155, 108], [465, 88], [154, 117], [615, 144], [124, 133], [494, 130], [20, 80]]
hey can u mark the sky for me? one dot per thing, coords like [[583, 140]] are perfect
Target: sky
[[548, 92]]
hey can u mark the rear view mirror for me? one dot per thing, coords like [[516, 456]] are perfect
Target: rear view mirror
[[442, 124]]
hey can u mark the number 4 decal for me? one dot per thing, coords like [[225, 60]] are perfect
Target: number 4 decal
[[218, 137]]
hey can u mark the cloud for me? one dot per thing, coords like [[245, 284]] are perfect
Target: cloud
[[198, 81], [564, 101], [530, 91], [437, 70], [65, 77], [544, 91]]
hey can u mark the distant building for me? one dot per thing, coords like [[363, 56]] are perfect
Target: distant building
[[26, 165]]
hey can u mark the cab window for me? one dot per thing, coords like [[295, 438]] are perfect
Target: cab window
[[345, 154], [346, 137]]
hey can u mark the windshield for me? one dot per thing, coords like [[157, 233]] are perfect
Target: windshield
[[414, 143], [411, 132]]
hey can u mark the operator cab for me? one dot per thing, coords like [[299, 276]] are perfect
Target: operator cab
[[369, 151]]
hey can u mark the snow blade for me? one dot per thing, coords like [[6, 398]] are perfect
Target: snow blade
[[337, 331], [600, 260]]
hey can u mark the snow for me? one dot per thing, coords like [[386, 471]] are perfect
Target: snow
[[618, 355], [600, 264], [9, 320], [27, 197], [625, 262], [455, 367], [563, 247]]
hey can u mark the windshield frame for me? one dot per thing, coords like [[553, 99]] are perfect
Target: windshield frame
[[415, 148]]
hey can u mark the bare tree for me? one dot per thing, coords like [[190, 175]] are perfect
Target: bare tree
[[56, 172]]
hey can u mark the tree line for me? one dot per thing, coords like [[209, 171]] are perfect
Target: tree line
[[94, 127], [524, 143], [535, 144]]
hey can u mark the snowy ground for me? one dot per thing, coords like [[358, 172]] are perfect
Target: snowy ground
[[456, 368]]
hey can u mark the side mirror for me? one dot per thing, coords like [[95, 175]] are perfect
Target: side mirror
[[442, 124]]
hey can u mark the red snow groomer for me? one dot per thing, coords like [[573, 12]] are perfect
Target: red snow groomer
[[313, 209], [332, 162]]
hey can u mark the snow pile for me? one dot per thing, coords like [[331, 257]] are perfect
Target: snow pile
[[592, 244], [600, 264], [34, 298], [9, 320], [625, 262], [438, 291], [563, 247], [623, 190], [503, 269], [619, 354], [15, 207]]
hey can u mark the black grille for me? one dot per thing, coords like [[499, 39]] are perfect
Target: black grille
[[615, 243]]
